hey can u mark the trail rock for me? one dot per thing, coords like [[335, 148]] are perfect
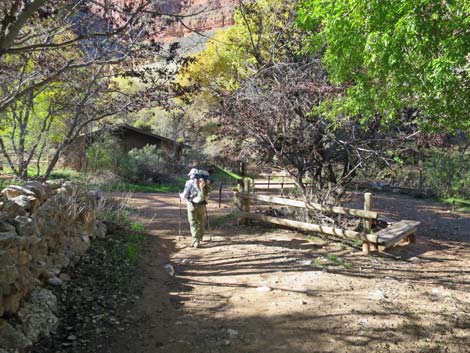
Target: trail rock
[[377, 294], [169, 269], [263, 289], [55, 281], [10, 338], [232, 333]]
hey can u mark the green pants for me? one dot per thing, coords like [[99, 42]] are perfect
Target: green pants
[[196, 218]]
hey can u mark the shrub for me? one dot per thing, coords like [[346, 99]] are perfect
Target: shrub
[[447, 173], [146, 165]]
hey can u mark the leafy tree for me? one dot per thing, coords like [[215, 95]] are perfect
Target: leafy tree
[[395, 54], [59, 61], [271, 116], [263, 34]]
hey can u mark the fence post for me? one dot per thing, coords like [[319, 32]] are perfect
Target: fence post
[[238, 201], [282, 186], [220, 194], [366, 246], [246, 200]]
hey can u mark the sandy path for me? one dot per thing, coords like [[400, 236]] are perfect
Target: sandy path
[[254, 289]]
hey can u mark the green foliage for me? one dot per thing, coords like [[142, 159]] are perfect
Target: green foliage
[[262, 32], [227, 220], [174, 185], [145, 164], [458, 203], [447, 173], [221, 174], [393, 55], [117, 210], [128, 248], [106, 155], [67, 174]]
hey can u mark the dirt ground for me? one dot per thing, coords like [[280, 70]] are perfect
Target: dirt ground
[[263, 289]]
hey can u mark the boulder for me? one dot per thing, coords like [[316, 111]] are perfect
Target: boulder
[[55, 281], [8, 239], [54, 184], [37, 315], [8, 270], [12, 209], [50, 273], [6, 227], [24, 258], [29, 203], [12, 339], [37, 188], [26, 226], [100, 230], [11, 303], [13, 191]]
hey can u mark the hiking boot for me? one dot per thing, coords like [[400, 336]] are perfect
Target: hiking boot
[[195, 244]]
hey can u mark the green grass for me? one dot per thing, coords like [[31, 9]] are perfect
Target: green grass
[[148, 188], [129, 246], [223, 221], [460, 204], [67, 174], [318, 263], [225, 176]]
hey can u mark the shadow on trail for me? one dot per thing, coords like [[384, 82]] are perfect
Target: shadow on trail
[[172, 318]]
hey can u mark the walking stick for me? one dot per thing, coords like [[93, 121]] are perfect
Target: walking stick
[[179, 223], [208, 225]]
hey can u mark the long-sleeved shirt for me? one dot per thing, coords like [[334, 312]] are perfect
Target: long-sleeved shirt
[[193, 193]]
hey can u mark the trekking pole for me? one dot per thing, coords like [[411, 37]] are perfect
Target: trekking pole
[[208, 225], [179, 223]]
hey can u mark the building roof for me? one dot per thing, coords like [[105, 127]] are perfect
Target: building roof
[[122, 127]]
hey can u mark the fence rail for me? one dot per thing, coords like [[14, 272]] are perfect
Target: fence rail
[[311, 206], [351, 234], [244, 196]]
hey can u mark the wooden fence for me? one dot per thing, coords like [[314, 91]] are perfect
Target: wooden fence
[[244, 197]]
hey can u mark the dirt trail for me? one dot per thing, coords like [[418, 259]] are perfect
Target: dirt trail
[[254, 289]]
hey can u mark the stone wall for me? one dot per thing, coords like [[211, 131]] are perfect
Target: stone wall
[[43, 229]]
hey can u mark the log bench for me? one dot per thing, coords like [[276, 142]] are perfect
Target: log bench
[[391, 235]]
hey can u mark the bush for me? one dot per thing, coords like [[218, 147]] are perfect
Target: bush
[[143, 165], [447, 173], [146, 165], [105, 155]]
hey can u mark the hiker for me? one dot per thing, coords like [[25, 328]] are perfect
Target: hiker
[[196, 191]]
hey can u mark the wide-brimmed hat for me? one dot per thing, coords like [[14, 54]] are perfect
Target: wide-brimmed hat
[[192, 172]]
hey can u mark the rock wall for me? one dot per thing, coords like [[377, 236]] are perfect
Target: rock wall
[[43, 229]]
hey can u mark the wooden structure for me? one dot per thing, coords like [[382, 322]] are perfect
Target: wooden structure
[[371, 241], [128, 137]]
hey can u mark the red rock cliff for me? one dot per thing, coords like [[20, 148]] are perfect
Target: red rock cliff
[[202, 16]]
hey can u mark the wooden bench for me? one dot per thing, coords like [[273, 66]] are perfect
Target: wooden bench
[[391, 235]]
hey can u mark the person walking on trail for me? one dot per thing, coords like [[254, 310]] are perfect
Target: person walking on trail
[[196, 192]]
